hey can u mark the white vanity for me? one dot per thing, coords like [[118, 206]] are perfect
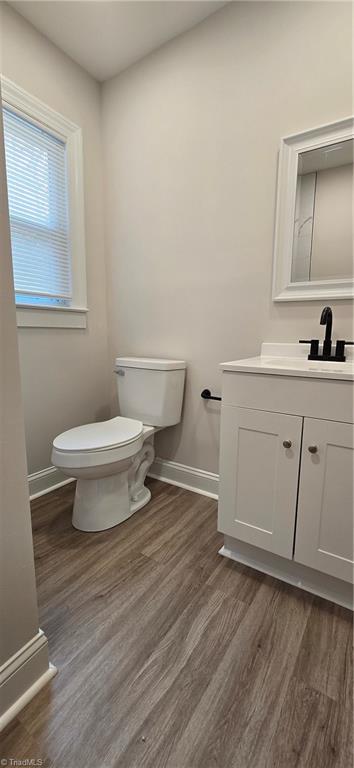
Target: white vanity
[[286, 456], [286, 468]]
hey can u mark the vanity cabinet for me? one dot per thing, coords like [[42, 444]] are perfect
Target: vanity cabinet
[[264, 465], [286, 476]]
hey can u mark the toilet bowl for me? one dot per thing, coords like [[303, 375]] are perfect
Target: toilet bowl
[[110, 459]]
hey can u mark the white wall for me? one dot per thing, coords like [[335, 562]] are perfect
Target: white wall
[[191, 136], [16, 551], [65, 372], [23, 649]]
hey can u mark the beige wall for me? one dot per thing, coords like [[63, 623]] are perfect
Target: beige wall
[[65, 372], [191, 136], [18, 606]]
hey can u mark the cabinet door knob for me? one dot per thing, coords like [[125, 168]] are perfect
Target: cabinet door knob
[[287, 443], [313, 448]]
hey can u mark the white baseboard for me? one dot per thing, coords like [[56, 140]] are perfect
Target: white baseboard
[[191, 478], [22, 676], [46, 480], [315, 582]]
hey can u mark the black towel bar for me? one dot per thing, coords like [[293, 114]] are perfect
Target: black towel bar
[[206, 395]]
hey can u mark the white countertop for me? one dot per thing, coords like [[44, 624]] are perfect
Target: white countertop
[[291, 360]]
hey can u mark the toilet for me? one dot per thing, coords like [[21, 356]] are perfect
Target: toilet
[[110, 459]]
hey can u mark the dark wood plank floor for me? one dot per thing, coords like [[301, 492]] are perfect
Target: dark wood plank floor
[[171, 656]]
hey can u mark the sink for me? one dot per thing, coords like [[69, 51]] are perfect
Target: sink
[[291, 360]]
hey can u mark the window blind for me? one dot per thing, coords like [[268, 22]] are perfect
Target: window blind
[[38, 207]]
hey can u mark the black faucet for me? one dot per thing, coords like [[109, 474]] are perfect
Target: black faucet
[[339, 356], [327, 319]]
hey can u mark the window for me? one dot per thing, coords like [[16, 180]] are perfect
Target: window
[[44, 180], [38, 206]]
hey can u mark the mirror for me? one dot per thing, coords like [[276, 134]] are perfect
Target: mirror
[[314, 230], [322, 243]]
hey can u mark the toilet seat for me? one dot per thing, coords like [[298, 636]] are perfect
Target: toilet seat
[[94, 445], [100, 436]]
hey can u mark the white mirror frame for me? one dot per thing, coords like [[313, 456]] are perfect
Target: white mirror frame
[[290, 148]]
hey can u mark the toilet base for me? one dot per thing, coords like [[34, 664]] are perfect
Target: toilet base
[[101, 503], [143, 499], [104, 502]]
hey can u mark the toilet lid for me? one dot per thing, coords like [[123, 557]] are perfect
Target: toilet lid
[[101, 435]]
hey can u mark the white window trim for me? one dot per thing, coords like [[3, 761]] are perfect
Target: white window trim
[[29, 106]]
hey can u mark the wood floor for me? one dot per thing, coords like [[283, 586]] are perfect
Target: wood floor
[[170, 656]]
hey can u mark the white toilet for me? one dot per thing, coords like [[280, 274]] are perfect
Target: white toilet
[[110, 459]]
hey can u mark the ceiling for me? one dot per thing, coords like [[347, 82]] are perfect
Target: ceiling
[[106, 37]]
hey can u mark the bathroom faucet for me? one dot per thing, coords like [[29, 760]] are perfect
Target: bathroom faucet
[[339, 355], [326, 319]]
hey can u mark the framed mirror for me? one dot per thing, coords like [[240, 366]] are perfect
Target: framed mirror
[[313, 249]]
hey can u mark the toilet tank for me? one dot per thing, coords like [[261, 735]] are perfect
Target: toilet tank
[[150, 389]]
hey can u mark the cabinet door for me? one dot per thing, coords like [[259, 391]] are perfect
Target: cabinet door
[[324, 532], [259, 477]]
